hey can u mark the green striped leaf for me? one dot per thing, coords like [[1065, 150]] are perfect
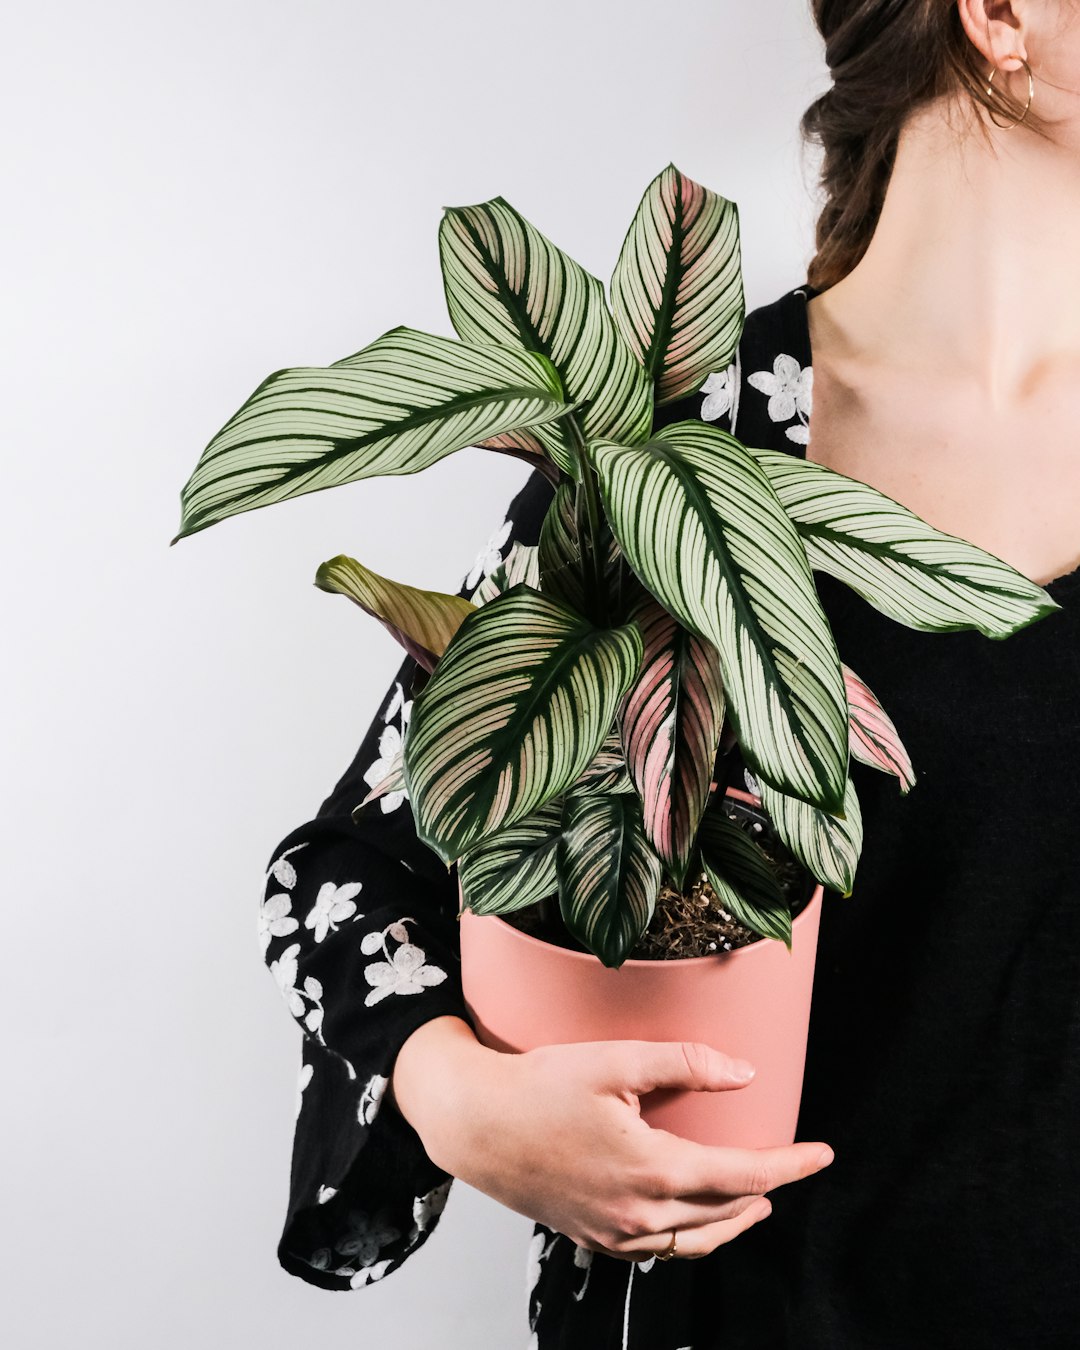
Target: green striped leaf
[[399, 405], [670, 721], [827, 846], [515, 867], [873, 738], [609, 876], [520, 564], [907, 569], [507, 284], [422, 621], [701, 527], [559, 554], [742, 877], [677, 291], [607, 771], [519, 704]]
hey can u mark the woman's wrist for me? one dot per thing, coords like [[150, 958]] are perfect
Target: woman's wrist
[[431, 1068]]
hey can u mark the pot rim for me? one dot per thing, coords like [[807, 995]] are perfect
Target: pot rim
[[637, 962]]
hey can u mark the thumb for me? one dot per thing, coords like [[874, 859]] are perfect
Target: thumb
[[682, 1064]]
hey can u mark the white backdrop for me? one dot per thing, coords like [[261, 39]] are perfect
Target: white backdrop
[[197, 195]]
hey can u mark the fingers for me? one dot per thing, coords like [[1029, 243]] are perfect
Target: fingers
[[696, 1170], [642, 1066], [646, 1216], [652, 1207], [693, 1242]]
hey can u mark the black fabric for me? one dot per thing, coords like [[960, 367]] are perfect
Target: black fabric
[[346, 904], [944, 1051]]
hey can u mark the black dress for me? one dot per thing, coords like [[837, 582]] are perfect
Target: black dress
[[944, 1051]]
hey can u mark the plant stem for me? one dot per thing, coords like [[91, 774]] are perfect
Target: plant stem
[[550, 914], [588, 494]]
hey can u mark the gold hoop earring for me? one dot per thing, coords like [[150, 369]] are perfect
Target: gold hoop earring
[[1008, 126]]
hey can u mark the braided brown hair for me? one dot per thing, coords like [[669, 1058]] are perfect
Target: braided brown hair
[[888, 58]]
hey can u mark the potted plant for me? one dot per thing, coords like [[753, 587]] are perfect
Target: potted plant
[[574, 718]]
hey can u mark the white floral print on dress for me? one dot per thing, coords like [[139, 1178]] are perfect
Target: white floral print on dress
[[364, 1237], [333, 905], [370, 1098], [583, 1260], [539, 1251], [275, 919], [367, 1275], [285, 970], [367, 1235], [306, 1072], [790, 388], [390, 742], [430, 1206], [490, 555], [404, 971], [275, 911], [283, 872], [719, 389]]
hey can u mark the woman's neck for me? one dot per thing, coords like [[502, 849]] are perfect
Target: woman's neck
[[973, 272]]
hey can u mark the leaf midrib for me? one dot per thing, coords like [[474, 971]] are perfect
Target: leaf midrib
[[763, 644], [342, 448], [663, 318], [505, 744]]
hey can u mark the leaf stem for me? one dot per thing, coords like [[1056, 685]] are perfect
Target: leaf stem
[[588, 513], [550, 915]]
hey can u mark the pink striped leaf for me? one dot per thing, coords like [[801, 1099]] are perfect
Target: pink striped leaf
[[521, 444], [677, 292], [873, 738], [703, 531], [670, 721]]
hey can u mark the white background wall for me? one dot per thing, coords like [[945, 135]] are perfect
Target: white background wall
[[197, 195]]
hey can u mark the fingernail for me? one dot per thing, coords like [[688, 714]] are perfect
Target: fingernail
[[742, 1070], [825, 1159]]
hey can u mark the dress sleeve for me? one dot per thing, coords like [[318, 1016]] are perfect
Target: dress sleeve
[[358, 925]]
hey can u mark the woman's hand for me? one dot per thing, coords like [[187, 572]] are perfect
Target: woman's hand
[[555, 1134]]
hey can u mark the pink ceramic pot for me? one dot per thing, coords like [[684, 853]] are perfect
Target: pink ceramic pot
[[752, 1002]]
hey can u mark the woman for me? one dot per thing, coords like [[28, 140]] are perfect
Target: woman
[[941, 311]]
